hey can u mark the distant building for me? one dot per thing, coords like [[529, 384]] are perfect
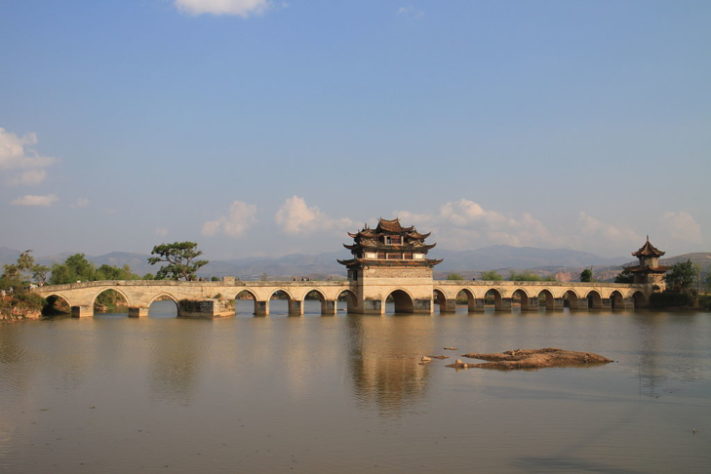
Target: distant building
[[563, 276], [648, 271], [387, 258], [389, 245]]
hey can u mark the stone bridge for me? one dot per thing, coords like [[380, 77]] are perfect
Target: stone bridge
[[216, 299]]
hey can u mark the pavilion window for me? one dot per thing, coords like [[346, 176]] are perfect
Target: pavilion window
[[381, 255]]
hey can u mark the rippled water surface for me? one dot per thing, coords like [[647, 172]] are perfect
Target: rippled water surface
[[347, 394]]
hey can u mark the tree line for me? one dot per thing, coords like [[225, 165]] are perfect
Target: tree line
[[19, 278], [180, 262]]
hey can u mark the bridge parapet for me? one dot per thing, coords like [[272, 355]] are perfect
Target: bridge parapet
[[553, 294], [194, 284], [140, 294]]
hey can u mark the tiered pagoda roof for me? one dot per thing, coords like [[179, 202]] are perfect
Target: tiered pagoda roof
[[389, 244], [645, 254], [648, 250]]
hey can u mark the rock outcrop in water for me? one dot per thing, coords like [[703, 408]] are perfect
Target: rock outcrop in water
[[532, 359]]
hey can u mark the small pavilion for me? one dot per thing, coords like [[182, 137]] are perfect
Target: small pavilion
[[648, 271]]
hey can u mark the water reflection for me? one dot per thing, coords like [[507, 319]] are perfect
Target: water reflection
[[657, 343], [649, 374], [176, 356], [347, 394], [11, 350], [385, 359]]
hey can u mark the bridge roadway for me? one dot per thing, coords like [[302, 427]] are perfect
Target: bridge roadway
[[217, 299]]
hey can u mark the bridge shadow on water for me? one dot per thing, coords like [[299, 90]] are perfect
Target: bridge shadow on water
[[568, 464]]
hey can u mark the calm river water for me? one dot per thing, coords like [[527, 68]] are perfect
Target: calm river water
[[346, 394]]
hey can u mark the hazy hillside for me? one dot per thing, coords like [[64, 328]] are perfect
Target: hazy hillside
[[505, 256], [469, 263], [702, 259]]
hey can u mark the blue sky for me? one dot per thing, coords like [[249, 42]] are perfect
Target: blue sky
[[259, 127]]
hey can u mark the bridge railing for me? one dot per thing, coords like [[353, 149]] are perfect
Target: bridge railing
[[537, 283], [195, 284]]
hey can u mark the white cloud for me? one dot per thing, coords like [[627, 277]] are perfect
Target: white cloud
[[465, 224], [239, 218], [211, 228], [243, 8], [595, 230], [410, 11], [18, 158], [413, 218], [81, 202], [28, 177], [465, 212], [296, 217], [681, 226], [35, 200]]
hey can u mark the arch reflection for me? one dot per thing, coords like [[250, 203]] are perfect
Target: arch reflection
[[385, 359]]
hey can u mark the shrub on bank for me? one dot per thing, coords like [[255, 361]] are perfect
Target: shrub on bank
[[672, 299], [705, 302], [20, 304]]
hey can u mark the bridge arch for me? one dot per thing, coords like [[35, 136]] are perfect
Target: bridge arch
[[594, 300], [467, 296], [280, 302], [56, 305], [493, 297], [243, 296], [349, 298], [279, 291], [402, 301], [162, 297], [96, 304], [616, 300], [521, 298], [546, 300], [156, 311], [570, 300], [639, 299], [440, 300], [318, 294]]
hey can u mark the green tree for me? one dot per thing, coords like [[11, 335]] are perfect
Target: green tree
[[16, 299], [75, 268], [586, 275], [681, 277], [491, 275], [26, 262], [108, 272], [180, 258], [25, 270], [455, 276], [22, 269], [524, 276], [625, 276], [39, 274]]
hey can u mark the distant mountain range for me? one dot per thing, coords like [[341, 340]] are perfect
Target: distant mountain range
[[468, 263]]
